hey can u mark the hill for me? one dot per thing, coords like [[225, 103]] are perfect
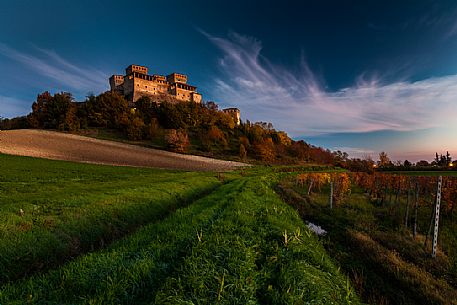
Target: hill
[[61, 146]]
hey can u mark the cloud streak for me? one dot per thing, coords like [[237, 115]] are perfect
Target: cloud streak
[[300, 104], [12, 107], [52, 66]]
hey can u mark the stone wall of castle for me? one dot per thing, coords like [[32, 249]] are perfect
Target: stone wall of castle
[[137, 83]]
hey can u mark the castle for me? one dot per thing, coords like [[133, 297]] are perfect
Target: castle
[[137, 83]]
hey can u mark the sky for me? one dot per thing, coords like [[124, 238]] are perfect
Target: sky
[[358, 76]]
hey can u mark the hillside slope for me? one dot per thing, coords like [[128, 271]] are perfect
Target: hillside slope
[[60, 146]]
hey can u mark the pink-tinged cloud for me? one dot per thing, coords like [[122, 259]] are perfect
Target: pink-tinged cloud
[[300, 104]]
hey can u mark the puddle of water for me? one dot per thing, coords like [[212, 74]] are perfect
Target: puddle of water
[[316, 229]]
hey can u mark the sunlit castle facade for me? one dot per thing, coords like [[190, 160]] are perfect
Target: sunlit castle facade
[[137, 83], [234, 113]]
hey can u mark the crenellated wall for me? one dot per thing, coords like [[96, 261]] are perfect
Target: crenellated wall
[[137, 83]]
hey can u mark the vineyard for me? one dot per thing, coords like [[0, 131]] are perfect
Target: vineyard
[[382, 229]]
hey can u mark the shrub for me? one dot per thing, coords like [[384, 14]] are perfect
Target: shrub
[[265, 150], [177, 140], [243, 152], [216, 136], [154, 129], [135, 129]]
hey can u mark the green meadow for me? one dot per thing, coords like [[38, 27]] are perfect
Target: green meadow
[[89, 234]]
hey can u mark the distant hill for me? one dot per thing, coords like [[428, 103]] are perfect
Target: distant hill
[[61, 146]]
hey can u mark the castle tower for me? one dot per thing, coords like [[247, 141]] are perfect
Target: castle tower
[[234, 113], [177, 78], [116, 82], [136, 68]]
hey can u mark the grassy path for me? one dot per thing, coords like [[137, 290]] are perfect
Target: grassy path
[[239, 245], [259, 251]]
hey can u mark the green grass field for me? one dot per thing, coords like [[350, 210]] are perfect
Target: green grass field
[[110, 235], [52, 211]]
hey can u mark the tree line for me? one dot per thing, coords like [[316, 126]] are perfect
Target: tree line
[[180, 127]]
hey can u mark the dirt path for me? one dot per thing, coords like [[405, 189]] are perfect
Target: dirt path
[[61, 146]]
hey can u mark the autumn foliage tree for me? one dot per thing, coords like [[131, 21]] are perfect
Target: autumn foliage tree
[[214, 136], [135, 128], [56, 111], [109, 110], [243, 152], [177, 140]]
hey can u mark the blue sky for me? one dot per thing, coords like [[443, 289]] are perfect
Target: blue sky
[[364, 77]]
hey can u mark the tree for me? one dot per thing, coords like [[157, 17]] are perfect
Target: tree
[[422, 163], [384, 160], [407, 164], [109, 109], [281, 138], [54, 112], [299, 150], [215, 135], [177, 140], [243, 153], [39, 113], [264, 150], [154, 128], [135, 128]]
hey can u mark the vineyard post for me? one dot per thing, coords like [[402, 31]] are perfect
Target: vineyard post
[[310, 186], [384, 198], [398, 194], [391, 190], [407, 203], [416, 205], [331, 195], [437, 216]]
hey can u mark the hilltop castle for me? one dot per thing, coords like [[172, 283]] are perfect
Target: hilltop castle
[[137, 83]]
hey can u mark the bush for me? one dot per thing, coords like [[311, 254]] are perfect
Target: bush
[[135, 129], [214, 136], [265, 150], [177, 140], [154, 129], [243, 152]]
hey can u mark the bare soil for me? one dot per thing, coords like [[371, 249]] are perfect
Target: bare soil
[[69, 147]]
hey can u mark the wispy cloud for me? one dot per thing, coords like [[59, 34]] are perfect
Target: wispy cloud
[[48, 64], [300, 104], [439, 20], [12, 107]]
